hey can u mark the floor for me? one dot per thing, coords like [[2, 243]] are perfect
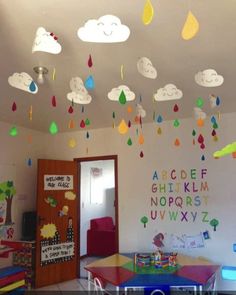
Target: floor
[[80, 284]]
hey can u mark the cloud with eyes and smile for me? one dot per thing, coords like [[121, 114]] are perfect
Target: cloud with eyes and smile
[[209, 78], [107, 29], [169, 92], [79, 93], [24, 82], [146, 68], [46, 41]]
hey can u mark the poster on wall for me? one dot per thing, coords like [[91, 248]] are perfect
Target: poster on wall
[[58, 182]]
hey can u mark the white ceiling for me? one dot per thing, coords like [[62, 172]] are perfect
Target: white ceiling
[[176, 60]]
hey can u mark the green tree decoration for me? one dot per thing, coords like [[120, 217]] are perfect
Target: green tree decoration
[[7, 191], [214, 222], [144, 220]]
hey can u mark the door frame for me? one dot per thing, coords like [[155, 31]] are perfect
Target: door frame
[[100, 158]]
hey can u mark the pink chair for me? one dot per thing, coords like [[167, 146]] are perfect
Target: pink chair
[[101, 237]]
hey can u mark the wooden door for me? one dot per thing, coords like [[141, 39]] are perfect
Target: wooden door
[[57, 222]]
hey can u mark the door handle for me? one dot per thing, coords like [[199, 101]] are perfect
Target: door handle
[[40, 218]]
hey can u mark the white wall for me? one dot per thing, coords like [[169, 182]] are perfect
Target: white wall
[[135, 178]]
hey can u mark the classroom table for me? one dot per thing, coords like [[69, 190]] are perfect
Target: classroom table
[[194, 274]]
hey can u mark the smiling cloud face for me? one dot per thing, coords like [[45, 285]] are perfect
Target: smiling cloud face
[[23, 81], [79, 93], [146, 68], [45, 41], [169, 92], [107, 29], [114, 94], [209, 78]]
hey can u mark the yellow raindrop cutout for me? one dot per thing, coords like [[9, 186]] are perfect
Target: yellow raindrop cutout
[[177, 142], [122, 72], [215, 138], [122, 128], [148, 13], [72, 143], [191, 27], [159, 131], [141, 139]]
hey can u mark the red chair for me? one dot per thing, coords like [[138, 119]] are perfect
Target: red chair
[[101, 237]]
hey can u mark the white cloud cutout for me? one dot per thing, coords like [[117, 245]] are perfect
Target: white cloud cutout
[[199, 114], [140, 111], [79, 93], [107, 29], [146, 68], [209, 78], [24, 82], [114, 94], [169, 92], [45, 41]]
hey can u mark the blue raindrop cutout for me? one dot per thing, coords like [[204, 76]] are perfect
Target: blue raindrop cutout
[[32, 86], [217, 101], [29, 162], [159, 119], [203, 158], [213, 120], [89, 83]]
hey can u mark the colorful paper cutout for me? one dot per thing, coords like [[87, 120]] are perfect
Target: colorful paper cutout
[[214, 223], [191, 27], [199, 114], [90, 61], [141, 154], [13, 108], [158, 240], [89, 83], [144, 221], [107, 29], [140, 111], [13, 131], [46, 41], [24, 82], [159, 119], [176, 108], [54, 102], [123, 128], [177, 142], [129, 109], [199, 102], [176, 123], [141, 139], [122, 97], [82, 124], [70, 110], [31, 113], [53, 129], [214, 101], [200, 122], [53, 74], [129, 141], [70, 195], [115, 93], [145, 68], [228, 149], [148, 13], [72, 143], [64, 211], [168, 92], [51, 201], [209, 78], [159, 131], [79, 93], [71, 124], [122, 72], [206, 235], [48, 230], [29, 162], [203, 158]]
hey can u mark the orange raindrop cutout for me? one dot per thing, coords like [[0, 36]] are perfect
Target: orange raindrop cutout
[[194, 142], [136, 119], [141, 139], [200, 122], [129, 109], [29, 138], [141, 154], [71, 124], [177, 142], [31, 113], [82, 124], [159, 131]]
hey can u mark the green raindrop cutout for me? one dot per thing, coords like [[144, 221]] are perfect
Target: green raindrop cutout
[[176, 123], [122, 98], [13, 131], [53, 129], [129, 142], [87, 122], [193, 132], [199, 102]]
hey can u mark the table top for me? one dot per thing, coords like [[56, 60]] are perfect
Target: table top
[[119, 270]]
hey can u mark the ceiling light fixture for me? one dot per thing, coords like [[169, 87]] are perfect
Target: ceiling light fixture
[[41, 71]]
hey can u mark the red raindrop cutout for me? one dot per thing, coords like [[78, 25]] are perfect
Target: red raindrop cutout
[[129, 124], [176, 108], [70, 110], [200, 139], [13, 107], [141, 154], [82, 124], [202, 146], [213, 133], [54, 102], [90, 61]]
